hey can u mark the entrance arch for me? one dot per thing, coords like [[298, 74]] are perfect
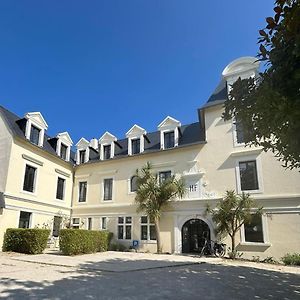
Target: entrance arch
[[193, 234]]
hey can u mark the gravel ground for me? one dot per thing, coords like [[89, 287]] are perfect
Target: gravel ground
[[210, 279]]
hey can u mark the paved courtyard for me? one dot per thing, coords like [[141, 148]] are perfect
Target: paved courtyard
[[114, 275]]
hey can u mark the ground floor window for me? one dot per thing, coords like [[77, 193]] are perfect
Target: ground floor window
[[124, 228], [148, 232], [254, 230], [103, 224], [75, 223], [89, 223], [24, 220]]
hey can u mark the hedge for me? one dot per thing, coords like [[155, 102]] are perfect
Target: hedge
[[80, 241], [30, 241], [292, 259]]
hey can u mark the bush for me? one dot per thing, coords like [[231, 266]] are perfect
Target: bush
[[80, 241], [292, 259], [118, 247], [30, 241]]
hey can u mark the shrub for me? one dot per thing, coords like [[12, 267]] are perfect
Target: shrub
[[30, 241], [80, 241], [117, 247], [292, 259]]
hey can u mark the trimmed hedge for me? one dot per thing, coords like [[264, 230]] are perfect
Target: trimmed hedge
[[29, 241], [81, 241]]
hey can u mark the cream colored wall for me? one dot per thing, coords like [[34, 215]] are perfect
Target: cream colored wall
[[5, 147]]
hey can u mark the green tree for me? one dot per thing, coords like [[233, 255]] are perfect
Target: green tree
[[152, 196], [231, 213], [268, 107]]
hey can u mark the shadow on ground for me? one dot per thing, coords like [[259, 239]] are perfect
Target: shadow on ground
[[200, 281]]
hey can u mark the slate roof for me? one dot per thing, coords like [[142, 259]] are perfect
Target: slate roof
[[189, 134], [17, 127], [219, 95]]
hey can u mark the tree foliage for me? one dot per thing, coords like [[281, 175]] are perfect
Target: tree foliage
[[268, 107], [153, 196], [231, 213]]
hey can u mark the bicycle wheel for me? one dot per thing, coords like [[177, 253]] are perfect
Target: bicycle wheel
[[220, 250]]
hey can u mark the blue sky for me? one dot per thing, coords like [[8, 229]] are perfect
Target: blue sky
[[92, 66]]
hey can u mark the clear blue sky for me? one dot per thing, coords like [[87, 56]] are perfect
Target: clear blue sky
[[92, 66]]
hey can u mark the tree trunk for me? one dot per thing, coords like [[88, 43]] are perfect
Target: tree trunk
[[157, 230], [233, 245]]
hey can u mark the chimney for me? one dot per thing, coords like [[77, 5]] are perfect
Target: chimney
[[94, 144]]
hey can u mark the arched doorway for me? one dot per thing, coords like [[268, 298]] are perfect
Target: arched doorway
[[193, 234]]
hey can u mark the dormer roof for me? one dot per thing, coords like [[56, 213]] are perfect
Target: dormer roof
[[241, 65], [107, 137], [36, 117], [65, 138], [82, 143], [135, 130], [169, 122]]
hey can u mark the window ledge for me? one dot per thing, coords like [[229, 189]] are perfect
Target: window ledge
[[254, 244], [246, 151], [147, 242], [29, 193]]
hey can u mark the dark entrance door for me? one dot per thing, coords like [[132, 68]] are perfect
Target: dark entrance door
[[56, 226], [193, 235]]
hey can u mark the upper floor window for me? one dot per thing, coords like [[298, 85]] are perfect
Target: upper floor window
[[169, 139], [248, 175], [60, 188], [34, 135], [239, 132], [133, 183], [82, 191], [124, 228], [163, 176], [108, 187], [106, 151], [254, 230], [147, 229], [135, 146], [63, 151], [82, 156], [29, 179]]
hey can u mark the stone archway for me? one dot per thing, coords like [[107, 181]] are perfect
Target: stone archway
[[193, 235]]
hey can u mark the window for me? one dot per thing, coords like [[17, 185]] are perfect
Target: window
[[248, 175], [103, 223], [34, 135], [24, 221], [135, 146], [147, 229], [106, 151], [60, 188], [169, 140], [82, 156], [56, 225], [254, 230], [108, 186], [239, 132], [89, 223], [29, 179], [82, 191], [63, 151], [163, 176], [133, 184], [75, 223], [124, 228]]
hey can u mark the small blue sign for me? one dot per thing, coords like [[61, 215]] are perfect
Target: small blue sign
[[135, 243]]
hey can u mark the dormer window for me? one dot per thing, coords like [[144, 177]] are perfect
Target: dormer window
[[136, 140], [169, 139], [83, 151], [107, 146], [135, 146], [169, 133], [34, 135], [63, 151], [64, 144], [35, 128], [106, 151]]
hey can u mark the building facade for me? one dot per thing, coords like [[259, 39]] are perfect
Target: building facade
[[99, 179]]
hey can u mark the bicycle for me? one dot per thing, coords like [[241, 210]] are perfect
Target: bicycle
[[213, 248]]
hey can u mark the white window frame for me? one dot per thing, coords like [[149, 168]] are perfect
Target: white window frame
[[234, 135], [65, 139], [148, 224], [124, 228], [264, 230], [105, 140], [35, 183], [102, 190], [64, 189], [86, 196], [101, 222], [30, 220], [167, 125], [76, 224], [129, 186], [136, 132], [259, 174]]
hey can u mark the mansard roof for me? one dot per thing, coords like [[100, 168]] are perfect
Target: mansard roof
[[17, 125]]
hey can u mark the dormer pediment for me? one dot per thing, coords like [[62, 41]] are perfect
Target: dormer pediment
[[37, 119], [82, 143], [107, 137], [169, 122], [135, 131], [65, 138]]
